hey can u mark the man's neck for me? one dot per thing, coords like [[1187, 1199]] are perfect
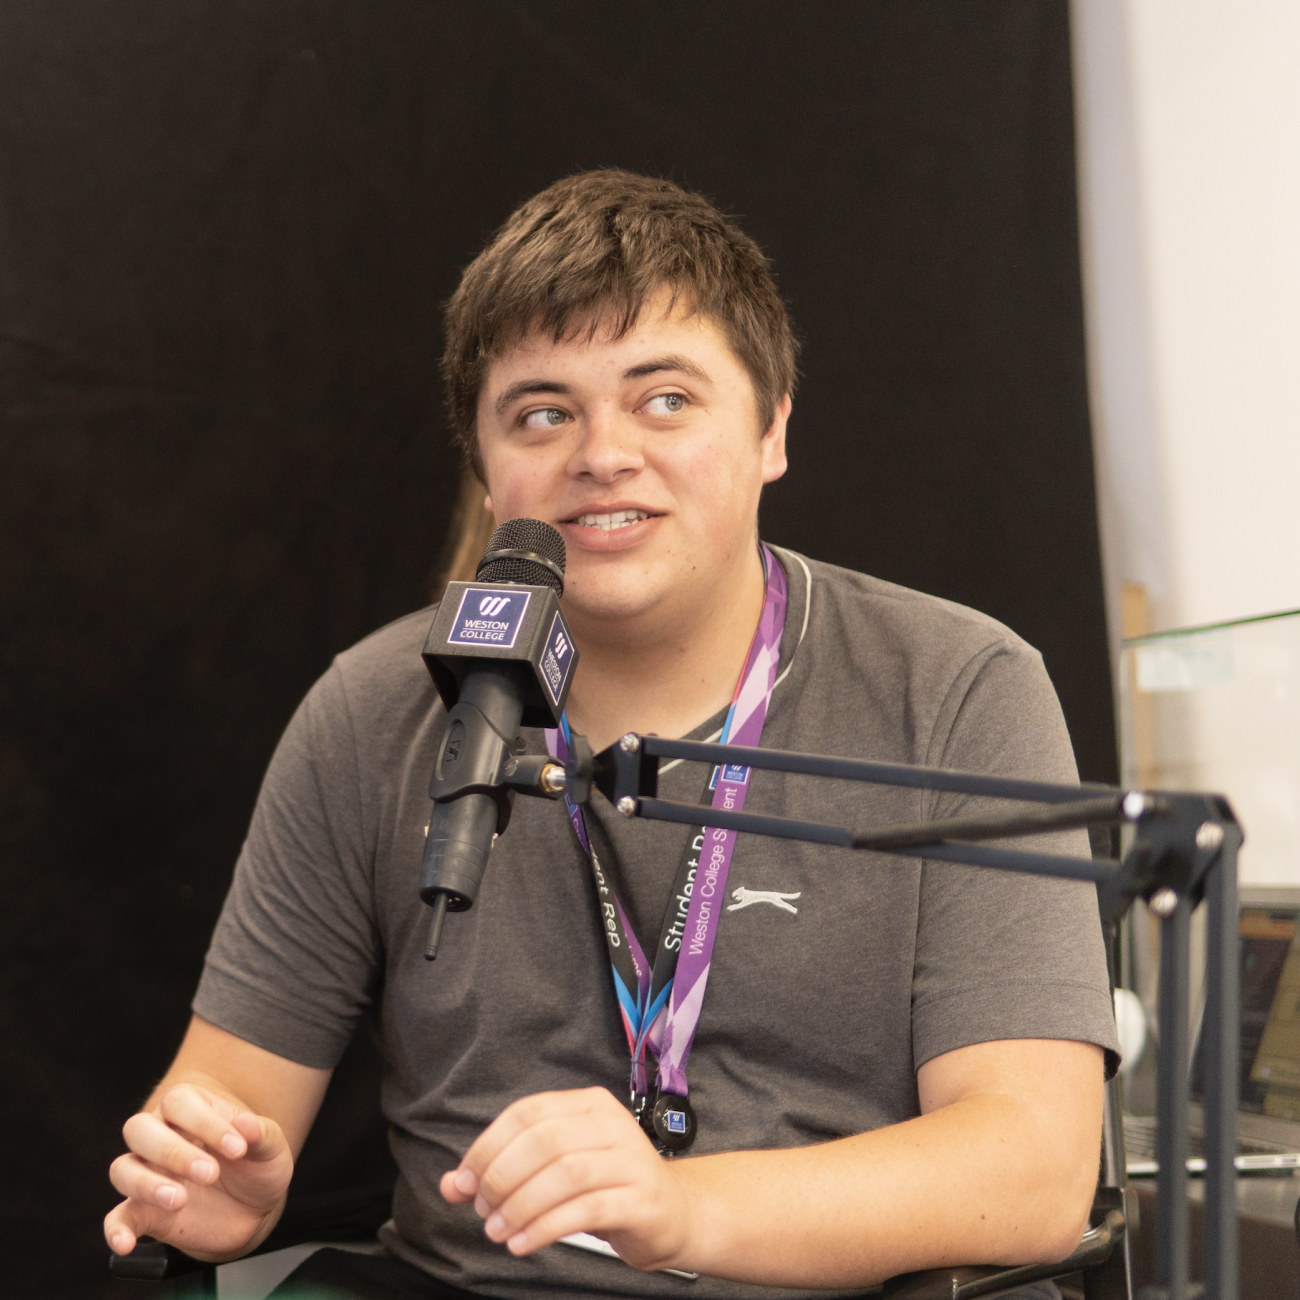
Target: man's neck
[[668, 670]]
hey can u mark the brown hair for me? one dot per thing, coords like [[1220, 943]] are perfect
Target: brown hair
[[467, 537], [585, 254]]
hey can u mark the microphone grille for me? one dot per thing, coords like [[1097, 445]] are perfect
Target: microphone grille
[[534, 555]]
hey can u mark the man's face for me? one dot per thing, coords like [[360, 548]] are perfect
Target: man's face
[[643, 451]]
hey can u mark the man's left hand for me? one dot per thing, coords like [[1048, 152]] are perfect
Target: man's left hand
[[562, 1162]]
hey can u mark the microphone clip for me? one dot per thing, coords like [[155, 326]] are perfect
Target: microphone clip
[[623, 767]]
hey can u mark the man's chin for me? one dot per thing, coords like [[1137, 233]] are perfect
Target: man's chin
[[611, 603]]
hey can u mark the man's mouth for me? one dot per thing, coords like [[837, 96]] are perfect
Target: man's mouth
[[616, 519]]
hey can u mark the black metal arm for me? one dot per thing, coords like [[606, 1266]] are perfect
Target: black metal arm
[[1184, 851]]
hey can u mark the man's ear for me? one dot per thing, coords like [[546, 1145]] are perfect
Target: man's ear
[[773, 444]]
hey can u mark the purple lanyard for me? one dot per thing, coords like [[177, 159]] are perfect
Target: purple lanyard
[[660, 1004]]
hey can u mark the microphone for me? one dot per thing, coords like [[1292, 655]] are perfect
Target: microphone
[[501, 656]]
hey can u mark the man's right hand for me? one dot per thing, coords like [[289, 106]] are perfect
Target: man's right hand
[[203, 1174]]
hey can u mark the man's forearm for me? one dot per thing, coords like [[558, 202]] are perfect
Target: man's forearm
[[979, 1181], [999, 1168]]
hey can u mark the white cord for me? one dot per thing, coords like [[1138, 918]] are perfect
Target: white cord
[[807, 606]]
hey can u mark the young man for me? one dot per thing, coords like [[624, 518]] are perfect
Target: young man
[[896, 1064]]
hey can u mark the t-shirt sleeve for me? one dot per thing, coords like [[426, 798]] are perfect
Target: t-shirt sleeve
[[1001, 954], [295, 958]]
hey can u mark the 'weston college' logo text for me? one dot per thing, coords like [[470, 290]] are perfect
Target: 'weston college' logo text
[[488, 618]]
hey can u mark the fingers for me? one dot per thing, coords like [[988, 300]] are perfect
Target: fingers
[[205, 1116], [201, 1171], [193, 1131], [263, 1138], [458, 1185], [582, 1183], [582, 1214], [558, 1163], [126, 1223], [139, 1181], [571, 1142], [516, 1120], [151, 1139], [192, 1138]]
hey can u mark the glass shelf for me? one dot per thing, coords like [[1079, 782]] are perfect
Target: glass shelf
[[1218, 708]]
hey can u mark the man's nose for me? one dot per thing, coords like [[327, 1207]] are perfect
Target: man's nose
[[610, 447]]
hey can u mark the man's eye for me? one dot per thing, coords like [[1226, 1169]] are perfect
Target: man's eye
[[666, 404], [547, 418]]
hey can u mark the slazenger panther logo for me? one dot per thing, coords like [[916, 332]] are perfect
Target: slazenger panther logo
[[491, 606], [744, 897]]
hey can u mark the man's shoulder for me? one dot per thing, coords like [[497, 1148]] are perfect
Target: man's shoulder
[[894, 669], [398, 642], [384, 670], [858, 609]]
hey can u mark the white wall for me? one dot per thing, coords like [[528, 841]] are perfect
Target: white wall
[[1188, 117], [1189, 163]]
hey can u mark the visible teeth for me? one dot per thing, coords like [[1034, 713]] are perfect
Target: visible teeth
[[619, 519]]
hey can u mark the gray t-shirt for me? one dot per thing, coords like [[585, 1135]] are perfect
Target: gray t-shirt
[[816, 1019]]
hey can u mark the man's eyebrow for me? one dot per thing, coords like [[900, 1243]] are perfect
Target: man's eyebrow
[[673, 361], [526, 386]]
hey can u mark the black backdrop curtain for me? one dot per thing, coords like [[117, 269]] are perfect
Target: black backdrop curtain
[[225, 232]]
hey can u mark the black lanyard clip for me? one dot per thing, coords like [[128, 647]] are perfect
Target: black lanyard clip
[[668, 1120]]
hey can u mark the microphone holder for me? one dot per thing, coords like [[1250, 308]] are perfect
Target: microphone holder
[[1183, 853]]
